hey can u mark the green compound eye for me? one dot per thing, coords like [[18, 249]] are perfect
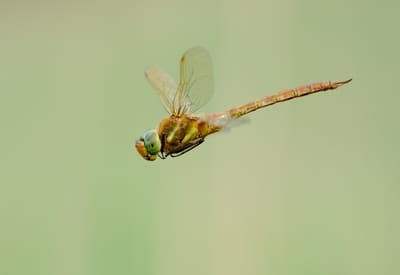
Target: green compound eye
[[152, 142]]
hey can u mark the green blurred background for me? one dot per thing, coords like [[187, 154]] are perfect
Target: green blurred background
[[310, 186]]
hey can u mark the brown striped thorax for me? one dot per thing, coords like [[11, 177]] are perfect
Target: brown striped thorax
[[182, 131]]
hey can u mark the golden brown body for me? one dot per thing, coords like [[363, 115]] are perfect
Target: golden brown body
[[182, 133]]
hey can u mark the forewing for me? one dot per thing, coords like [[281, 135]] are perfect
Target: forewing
[[196, 84], [163, 84]]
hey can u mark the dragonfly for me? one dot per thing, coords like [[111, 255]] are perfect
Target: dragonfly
[[183, 130]]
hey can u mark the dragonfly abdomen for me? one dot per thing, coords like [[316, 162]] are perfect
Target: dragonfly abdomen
[[284, 96]]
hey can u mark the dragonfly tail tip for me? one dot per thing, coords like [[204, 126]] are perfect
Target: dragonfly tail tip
[[341, 83], [347, 81]]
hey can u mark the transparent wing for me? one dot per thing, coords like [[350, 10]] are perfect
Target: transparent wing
[[196, 84], [164, 85]]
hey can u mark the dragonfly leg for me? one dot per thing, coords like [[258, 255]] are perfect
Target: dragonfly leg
[[161, 155], [187, 147]]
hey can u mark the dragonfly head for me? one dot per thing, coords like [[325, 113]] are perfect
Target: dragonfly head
[[149, 145]]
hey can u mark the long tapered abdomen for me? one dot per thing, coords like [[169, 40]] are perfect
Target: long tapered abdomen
[[283, 96]]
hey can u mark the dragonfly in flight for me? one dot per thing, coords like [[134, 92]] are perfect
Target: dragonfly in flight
[[182, 130]]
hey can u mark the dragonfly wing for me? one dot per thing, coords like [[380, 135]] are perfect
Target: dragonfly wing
[[196, 84], [163, 84]]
